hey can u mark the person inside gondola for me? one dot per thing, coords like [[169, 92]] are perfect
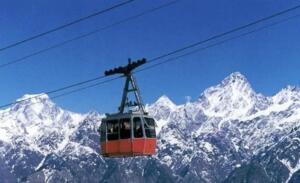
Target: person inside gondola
[[125, 129], [138, 131], [112, 130]]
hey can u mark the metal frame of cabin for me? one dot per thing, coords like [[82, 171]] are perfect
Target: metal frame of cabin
[[143, 146]]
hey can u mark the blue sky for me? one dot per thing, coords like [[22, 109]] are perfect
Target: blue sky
[[268, 58]]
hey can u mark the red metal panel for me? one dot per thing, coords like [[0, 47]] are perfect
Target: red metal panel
[[129, 147], [138, 145], [112, 147], [125, 146], [150, 146]]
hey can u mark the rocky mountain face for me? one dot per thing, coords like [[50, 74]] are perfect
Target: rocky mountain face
[[229, 134]]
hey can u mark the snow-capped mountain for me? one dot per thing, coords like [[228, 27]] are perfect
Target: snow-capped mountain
[[229, 134]]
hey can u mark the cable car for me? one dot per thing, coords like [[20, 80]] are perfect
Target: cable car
[[131, 131]]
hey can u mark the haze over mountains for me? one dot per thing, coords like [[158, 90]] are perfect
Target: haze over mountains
[[229, 134]]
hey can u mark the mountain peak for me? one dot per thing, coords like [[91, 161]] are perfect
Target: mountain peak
[[289, 93], [35, 102], [235, 82], [234, 97], [289, 90], [292, 88], [238, 83], [235, 77], [26, 97], [165, 101]]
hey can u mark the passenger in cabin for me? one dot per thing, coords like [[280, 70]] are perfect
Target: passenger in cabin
[[138, 130], [127, 125], [125, 129]]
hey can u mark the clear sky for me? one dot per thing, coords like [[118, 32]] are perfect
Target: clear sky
[[269, 58]]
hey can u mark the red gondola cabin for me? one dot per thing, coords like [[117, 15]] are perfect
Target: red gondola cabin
[[128, 134]]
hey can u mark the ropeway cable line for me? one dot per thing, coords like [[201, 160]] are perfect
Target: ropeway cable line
[[65, 25], [157, 58], [175, 58], [81, 36], [228, 32]]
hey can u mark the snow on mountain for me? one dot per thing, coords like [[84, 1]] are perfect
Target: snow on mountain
[[37, 120], [278, 163], [206, 140], [161, 110], [228, 125], [233, 98]]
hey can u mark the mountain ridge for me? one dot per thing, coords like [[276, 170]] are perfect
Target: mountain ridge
[[206, 140]]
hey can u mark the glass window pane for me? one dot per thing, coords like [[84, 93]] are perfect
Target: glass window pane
[[112, 130], [125, 129], [138, 130], [150, 128]]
